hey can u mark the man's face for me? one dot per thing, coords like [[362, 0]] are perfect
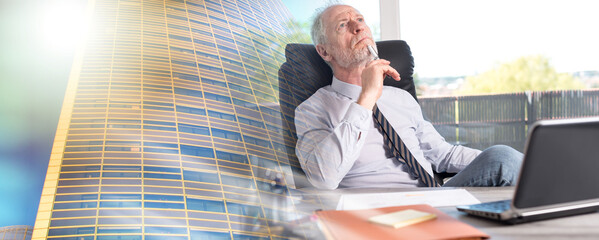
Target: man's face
[[347, 36]]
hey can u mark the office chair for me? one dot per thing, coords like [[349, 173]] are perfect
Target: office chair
[[304, 72]]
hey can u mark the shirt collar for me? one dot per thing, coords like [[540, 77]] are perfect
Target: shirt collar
[[346, 89]]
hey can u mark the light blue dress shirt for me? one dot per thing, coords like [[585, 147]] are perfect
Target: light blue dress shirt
[[339, 145]]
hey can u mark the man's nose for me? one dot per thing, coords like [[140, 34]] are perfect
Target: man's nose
[[357, 26]]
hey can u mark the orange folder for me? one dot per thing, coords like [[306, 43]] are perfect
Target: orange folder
[[353, 224]]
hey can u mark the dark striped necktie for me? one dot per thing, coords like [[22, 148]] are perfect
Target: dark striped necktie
[[400, 151]]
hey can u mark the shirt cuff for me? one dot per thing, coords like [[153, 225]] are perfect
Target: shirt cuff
[[358, 116]]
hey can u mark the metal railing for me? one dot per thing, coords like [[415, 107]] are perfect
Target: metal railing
[[484, 120]]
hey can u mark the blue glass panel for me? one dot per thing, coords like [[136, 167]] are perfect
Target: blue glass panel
[[158, 144], [200, 176], [73, 238], [82, 149], [189, 77], [158, 108], [127, 237], [243, 209], [121, 168], [127, 143], [179, 37], [118, 204], [121, 196], [162, 176], [217, 97], [80, 168], [197, 111], [238, 181], [163, 197], [231, 157], [252, 122], [162, 169], [221, 115], [154, 237], [159, 104], [205, 235], [80, 175], [188, 92], [205, 205], [75, 197], [165, 230], [194, 129], [248, 237], [159, 128], [197, 151], [257, 141], [71, 231], [226, 134], [119, 230], [176, 17], [161, 150], [164, 205], [75, 205]]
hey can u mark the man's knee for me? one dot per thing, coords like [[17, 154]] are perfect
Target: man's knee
[[504, 159]]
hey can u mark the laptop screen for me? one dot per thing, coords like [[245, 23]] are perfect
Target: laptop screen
[[561, 165]]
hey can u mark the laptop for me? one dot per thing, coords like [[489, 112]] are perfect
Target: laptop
[[559, 174]]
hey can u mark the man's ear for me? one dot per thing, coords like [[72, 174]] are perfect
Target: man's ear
[[323, 53]]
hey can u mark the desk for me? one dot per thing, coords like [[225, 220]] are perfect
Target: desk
[[584, 226]]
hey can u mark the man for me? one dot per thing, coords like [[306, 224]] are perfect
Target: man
[[339, 144]]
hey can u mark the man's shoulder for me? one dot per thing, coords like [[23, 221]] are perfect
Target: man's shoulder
[[321, 95]]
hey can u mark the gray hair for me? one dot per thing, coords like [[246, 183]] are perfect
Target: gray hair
[[318, 31]]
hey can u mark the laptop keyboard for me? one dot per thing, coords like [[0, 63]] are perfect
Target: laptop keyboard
[[498, 206]]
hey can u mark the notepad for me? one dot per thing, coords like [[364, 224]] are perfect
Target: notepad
[[354, 224], [402, 218]]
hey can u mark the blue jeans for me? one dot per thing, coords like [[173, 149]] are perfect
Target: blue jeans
[[498, 165]]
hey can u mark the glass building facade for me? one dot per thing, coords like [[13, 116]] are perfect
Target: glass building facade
[[170, 126], [19, 232]]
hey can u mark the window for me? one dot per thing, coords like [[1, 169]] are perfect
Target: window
[[206, 235], [231, 157], [163, 197], [200, 176], [197, 151], [194, 129], [226, 134], [71, 231], [205, 205], [500, 72], [221, 115], [165, 230], [164, 205], [191, 110], [243, 209]]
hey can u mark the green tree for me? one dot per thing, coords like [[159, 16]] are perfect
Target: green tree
[[300, 31], [533, 73]]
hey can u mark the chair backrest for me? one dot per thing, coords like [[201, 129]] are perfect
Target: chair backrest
[[304, 72]]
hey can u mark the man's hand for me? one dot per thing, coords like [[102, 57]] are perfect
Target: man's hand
[[372, 81]]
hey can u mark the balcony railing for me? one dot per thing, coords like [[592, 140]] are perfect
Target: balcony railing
[[485, 120]]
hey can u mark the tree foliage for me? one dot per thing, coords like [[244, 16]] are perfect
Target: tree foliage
[[533, 73], [300, 31]]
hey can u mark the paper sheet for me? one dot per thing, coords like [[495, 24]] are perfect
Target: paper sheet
[[435, 198]]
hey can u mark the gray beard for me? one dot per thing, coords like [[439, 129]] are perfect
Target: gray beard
[[354, 58]]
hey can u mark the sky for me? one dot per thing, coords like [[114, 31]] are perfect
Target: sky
[[448, 38], [37, 52]]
